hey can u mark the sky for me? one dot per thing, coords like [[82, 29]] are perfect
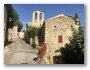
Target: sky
[[50, 10]]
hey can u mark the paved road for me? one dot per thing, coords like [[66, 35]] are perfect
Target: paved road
[[20, 53]]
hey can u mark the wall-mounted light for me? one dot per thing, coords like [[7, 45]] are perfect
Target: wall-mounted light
[[10, 19]]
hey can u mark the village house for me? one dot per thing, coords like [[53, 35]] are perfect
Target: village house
[[54, 32]]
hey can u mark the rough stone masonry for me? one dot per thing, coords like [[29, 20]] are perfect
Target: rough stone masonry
[[58, 26], [55, 32]]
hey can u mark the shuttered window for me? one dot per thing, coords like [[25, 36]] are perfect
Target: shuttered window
[[60, 39]]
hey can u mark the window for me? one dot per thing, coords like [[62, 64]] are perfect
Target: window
[[35, 15], [40, 16], [55, 26], [71, 26], [60, 39]]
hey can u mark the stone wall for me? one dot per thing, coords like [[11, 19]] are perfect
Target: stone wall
[[37, 23], [21, 35], [12, 33], [55, 26]]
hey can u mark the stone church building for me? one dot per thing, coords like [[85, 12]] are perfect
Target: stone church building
[[55, 32]]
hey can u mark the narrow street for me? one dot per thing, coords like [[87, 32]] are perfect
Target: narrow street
[[20, 53]]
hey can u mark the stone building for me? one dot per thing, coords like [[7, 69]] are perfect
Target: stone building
[[55, 32], [37, 22], [37, 19], [7, 21], [21, 34], [13, 33]]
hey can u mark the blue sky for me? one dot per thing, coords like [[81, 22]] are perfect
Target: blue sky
[[50, 10]]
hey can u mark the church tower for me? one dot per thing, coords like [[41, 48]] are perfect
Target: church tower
[[37, 18]]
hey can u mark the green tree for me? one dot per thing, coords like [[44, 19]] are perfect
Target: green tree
[[20, 25], [76, 15], [31, 31], [14, 15], [73, 53], [15, 19]]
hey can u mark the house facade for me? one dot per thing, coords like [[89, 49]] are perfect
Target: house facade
[[55, 32]]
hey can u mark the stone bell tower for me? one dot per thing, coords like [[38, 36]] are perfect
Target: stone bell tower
[[37, 18]]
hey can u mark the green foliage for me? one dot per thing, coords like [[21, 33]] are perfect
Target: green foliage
[[75, 18], [14, 15], [76, 15], [20, 25], [15, 19], [37, 31], [73, 53], [39, 47], [32, 31], [49, 57]]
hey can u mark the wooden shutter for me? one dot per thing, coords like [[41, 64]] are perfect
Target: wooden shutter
[[59, 39]]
